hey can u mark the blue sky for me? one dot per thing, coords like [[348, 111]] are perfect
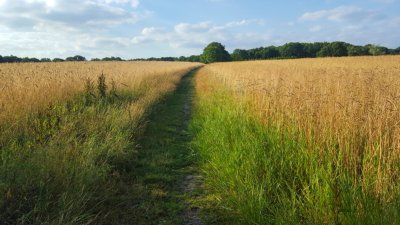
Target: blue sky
[[146, 28]]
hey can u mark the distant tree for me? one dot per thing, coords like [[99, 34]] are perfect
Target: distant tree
[[194, 58], [391, 51], [255, 53], [168, 59], [45, 60], [355, 50], [270, 52], [292, 50], [26, 59], [215, 52], [377, 50], [95, 60], [326, 51], [76, 58], [239, 55], [339, 48], [11, 59], [58, 60], [397, 50], [311, 49], [112, 58], [334, 49]]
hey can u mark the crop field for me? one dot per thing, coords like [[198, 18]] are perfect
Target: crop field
[[22, 85], [295, 141], [307, 141], [67, 131], [210, 112]]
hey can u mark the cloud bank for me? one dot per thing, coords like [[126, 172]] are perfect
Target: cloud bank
[[130, 28]]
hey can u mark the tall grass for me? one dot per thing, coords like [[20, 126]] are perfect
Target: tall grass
[[29, 86], [310, 141], [67, 133]]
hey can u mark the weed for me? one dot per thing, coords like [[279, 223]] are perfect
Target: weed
[[102, 86]]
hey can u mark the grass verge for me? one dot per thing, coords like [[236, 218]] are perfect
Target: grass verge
[[258, 174], [74, 162]]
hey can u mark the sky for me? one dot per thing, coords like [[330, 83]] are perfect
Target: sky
[[156, 28]]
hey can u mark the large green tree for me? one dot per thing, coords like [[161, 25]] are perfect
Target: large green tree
[[311, 49], [355, 50], [334, 49], [239, 55], [293, 50], [58, 60], [270, 52], [215, 52], [76, 58]]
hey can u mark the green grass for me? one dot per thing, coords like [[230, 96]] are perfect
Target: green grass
[[258, 174], [55, 164], [164, 160], [88, 161]]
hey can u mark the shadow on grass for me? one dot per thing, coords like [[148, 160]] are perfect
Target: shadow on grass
[[163, 161]]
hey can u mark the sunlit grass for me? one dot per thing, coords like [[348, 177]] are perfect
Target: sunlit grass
[[311, 141]]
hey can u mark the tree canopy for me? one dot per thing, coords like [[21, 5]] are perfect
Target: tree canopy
[[76, 58], [240, 55], [355, 50], [293, 50], [377, 50], [215, 52]]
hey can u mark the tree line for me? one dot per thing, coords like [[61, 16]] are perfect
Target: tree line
[[216, 52], [77, 58]]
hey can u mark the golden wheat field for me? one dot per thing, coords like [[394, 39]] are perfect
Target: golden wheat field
[[30, 86], [343, 106], [65, 130]]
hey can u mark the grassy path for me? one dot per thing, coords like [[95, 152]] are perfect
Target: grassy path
[[164, 174]]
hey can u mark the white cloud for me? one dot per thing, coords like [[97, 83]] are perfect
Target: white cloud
[[351, 24], [340, 14], [97, 28], [316, 28], [195, 36], [186, 28], [133, 3], [48, 3], [151, 34], [56, 28], [80, 15], [245, 22]]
